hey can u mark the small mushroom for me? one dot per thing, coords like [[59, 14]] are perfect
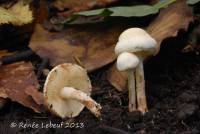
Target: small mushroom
[[128, 62], [67, 91], [141, 44]]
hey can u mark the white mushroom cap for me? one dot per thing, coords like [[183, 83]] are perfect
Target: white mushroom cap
[[136, 40], [65, 75], [126, 61]]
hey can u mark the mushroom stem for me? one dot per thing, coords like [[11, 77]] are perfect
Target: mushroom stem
[[140, 88], [93, 106], [131, 88]]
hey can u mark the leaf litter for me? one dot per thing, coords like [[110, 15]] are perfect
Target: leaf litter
[[19, 83], [81, 49]]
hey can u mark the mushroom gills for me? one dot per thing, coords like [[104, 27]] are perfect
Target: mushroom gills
[[80, 96], [67, 91]]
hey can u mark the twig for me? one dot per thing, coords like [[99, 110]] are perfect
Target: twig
[[16, 57], [184, 124], [42, 66], [78, 61], [113, 130]]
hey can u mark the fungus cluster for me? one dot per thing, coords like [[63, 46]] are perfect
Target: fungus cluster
[[67, 88], [133, 46]]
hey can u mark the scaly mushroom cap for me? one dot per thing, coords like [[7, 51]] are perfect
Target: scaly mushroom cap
[[136, 40], [126, 61], [65, 75]]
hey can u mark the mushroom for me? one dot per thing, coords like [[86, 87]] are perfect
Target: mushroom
[[67, 91], [139, 43], [128, 62]]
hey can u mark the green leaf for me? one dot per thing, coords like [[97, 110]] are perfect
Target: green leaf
[[128, 11], [121, 11], [137, 11], [192, 2], [102, 12], [164, 4]]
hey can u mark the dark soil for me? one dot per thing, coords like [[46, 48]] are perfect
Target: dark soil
[[173, 90]]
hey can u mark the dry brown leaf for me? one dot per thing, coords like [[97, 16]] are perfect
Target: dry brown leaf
[[3, 53], [167, 24], [116, 78], [75, 5], [91, 47], [19, 14], [19, 83], [172, 19]]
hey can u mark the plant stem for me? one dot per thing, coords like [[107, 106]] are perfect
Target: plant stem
[[16, 57]]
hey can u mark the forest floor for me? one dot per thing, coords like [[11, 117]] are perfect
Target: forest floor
[[172, 89]]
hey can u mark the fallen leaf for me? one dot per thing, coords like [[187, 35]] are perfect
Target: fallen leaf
[[128, 11], [116, 78], [76, 6], [3, 53], [167, 24], [19, 14], [19, 83], [92, 47], [192, 2], [176, 17]]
